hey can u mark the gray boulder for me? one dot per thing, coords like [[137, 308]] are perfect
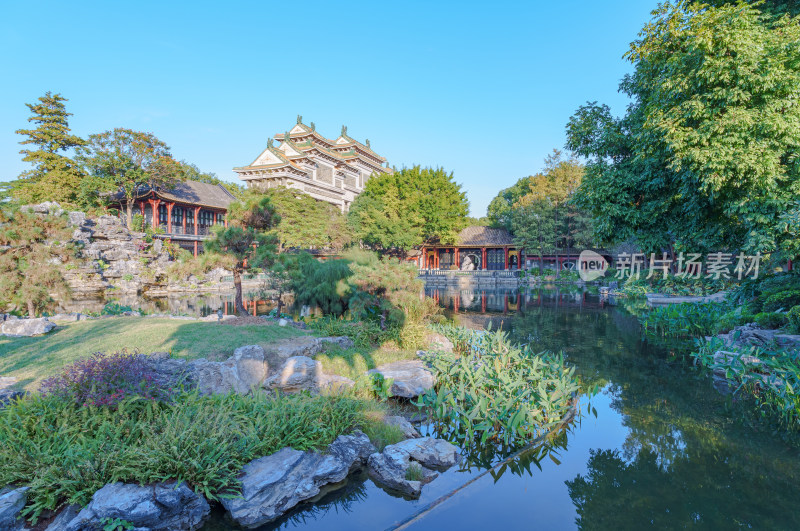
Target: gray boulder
[[251, 368], [438, 343], [391, 467], [297, 374], [26, 327], [156, 507], [11, 503], [214, 377], [75, 218], [408, 429], [274, 484], [410, 378], [63, 519]]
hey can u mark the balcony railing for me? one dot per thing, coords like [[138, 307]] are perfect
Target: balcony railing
[[507, 273]]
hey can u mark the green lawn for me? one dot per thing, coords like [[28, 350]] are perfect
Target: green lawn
[[30, 359]]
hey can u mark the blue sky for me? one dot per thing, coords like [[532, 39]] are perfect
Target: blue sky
[[482, 89]]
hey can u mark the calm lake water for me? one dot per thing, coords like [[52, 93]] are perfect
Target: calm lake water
[[666, 450]]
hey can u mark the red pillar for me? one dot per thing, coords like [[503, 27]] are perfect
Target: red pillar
[[141, 207], [225, 218], [483, 258], [155, 203], [455, 303], [195, 249], [169, 217], [196, 224], [456, 257], [184, 221], [483, 302], [424, 259], [505, 252]]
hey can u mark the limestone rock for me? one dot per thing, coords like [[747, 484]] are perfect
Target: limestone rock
[[297, 374], [156, 507], [438, 343], [408, 429], [251, 367], [27, 327], [390, 467], [63, 519], [410, 378], [215, 377], [75, 218], [11, 503], [274, 484]]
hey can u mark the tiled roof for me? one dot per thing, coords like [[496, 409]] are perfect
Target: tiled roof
[[192, 192], [479, 235]]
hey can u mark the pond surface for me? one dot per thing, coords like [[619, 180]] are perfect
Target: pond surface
[[665, 450]]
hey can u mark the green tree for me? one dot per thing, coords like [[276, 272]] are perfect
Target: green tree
[[409, 208], [501, 207], [307, 223], [54, 176], [29, 265], [708, 155], [130, 161], [247, 239]]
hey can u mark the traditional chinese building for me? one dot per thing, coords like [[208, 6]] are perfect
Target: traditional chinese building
[[334, 171], [477, 248], [481, 248], [186, 212]]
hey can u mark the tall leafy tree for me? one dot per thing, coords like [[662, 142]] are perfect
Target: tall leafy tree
[[248, 239], [409, 208], [54, 175], [708, 155], [128, 161], [307, 223]]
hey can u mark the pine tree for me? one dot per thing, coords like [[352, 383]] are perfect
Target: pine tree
[[54, 176]]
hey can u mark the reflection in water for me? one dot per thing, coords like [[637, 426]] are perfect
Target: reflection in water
[[194, 304], [665, 450]]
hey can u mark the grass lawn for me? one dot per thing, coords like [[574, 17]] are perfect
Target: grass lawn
[[353, 362], [30, 359]]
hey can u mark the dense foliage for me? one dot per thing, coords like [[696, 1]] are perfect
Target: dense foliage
[[706, 156], [493, 390], [307, 223], [36, 245], [382, 291], [409, 208]]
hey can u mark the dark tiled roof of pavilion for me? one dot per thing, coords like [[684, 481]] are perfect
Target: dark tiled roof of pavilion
[[191, 192], [479, 235]]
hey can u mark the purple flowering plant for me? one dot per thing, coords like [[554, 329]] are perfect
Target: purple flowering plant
[[107, 379]]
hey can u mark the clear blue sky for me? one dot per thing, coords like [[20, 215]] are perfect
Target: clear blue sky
[[483, 89]]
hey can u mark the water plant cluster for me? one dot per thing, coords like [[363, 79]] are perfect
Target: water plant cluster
[[770, 375], [492, 390]]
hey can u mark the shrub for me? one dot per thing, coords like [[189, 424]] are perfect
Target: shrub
[[782, 300], [107, 379], [771, 319], [137, 223], [794, 319], [115, 308]]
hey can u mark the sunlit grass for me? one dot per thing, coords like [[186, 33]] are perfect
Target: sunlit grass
[[30, 359]]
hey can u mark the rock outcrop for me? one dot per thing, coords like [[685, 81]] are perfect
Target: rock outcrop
[[26, 327], [276, 483], [11, 503], [7, 390], [162, 506], [751, 335], [409, 378], [282, 366], [408, 465], [408, 429]]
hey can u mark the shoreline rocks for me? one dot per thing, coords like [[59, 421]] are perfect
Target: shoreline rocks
[[274, 484], [26, 327], [12, 502], [408, 465], [158, 507]]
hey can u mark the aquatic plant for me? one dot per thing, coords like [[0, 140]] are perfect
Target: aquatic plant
[[685, 320], [770, 376], [494, 390]]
